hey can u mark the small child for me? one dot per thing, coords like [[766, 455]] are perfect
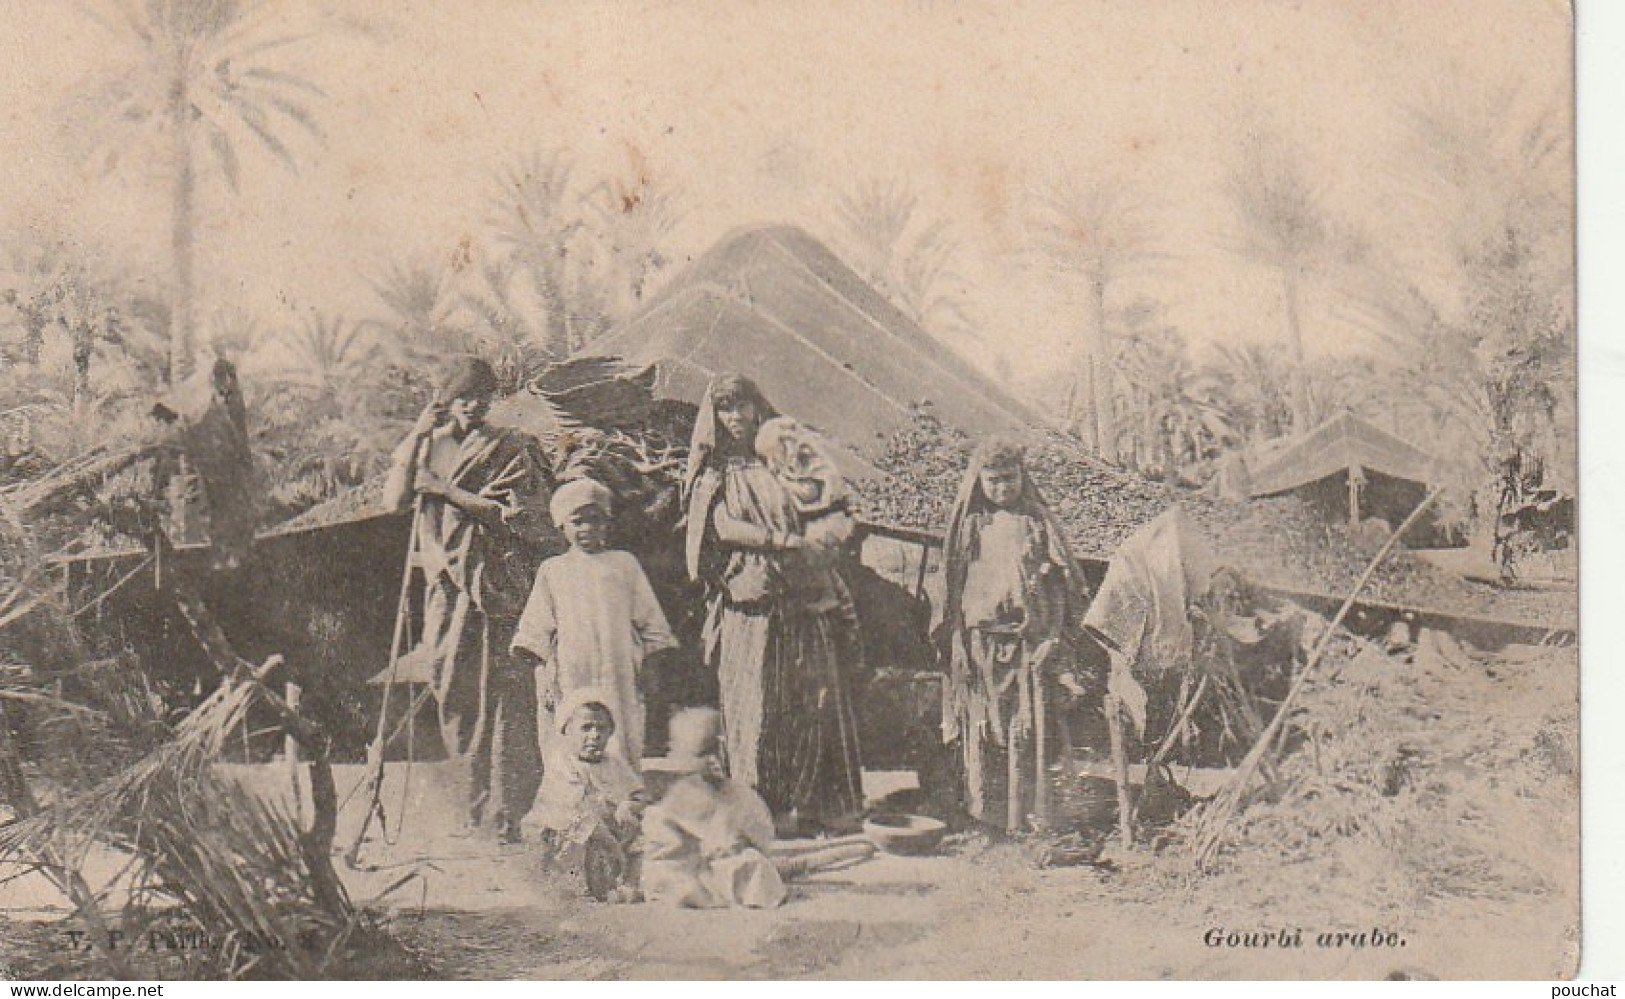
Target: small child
[[799, 459], [591, 803], [706, 841], [592, 619]]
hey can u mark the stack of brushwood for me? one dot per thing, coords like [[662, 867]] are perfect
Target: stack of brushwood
[[116, 797]]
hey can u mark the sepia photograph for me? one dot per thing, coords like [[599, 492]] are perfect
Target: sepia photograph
[[742, 490]]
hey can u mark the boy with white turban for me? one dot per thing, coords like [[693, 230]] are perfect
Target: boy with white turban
[[592, 619]]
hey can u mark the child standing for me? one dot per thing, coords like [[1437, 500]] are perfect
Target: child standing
[[1015, 596], [592, 618]]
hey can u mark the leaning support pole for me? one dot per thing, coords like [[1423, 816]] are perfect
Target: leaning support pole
[[380, 743], [1216, 823], [1041, 806], [1125, 803]]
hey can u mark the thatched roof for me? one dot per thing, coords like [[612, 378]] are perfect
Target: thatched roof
[[776, 305]]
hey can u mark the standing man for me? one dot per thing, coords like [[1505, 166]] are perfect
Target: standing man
[[477, 538]]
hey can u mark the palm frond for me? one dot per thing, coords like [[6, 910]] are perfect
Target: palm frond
[[226, 155], [255, 119], [292, 81], [295, 113]]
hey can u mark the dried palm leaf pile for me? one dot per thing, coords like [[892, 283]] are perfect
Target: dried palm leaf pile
[[204, 860], [1439, 769]]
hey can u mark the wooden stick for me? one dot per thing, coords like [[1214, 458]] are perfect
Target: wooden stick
[[1211, 838], [380, 745], [1125, 804], [812, 861], [290, 755], [1012, 760], [1179, 726], [1041, 777]]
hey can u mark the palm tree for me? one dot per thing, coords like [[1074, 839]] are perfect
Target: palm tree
[[1486, 159], [319, 407], [1093, 230], [56, 297], [1174, 413], [1483, 359], [534, 221], [911, 260], [1284, 226], [507, 330], [234, 333], [632, 225], [198, 83], [1254, 388], [328, 360], [421, 305]]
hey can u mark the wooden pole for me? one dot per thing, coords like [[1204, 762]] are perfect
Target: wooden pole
[[377, 752], [1125, 804], [1215, 823], [1041, 776], [1012, 759], [1355, 477], [290, 754]]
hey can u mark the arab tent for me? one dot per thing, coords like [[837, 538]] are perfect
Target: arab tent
[[1349, 464], [824, 346]]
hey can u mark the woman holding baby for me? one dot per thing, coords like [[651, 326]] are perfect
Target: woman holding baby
[[766, 519]]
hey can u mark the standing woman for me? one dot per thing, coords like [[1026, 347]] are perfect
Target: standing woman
[[780, 626], [1014, 595]]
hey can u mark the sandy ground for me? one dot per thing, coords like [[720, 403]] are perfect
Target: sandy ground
[[1489, 891], [481, 911], [983, 911]]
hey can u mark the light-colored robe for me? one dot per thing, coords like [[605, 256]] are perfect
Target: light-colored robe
[[575, 794], [705, 846], [594, 619]]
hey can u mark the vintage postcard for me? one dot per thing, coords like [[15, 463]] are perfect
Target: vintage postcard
[[750, 490]]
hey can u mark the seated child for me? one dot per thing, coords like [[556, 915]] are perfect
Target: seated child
[[706, 841], [591, 801]]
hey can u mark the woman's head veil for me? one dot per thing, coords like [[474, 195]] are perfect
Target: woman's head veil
[[702, 478]]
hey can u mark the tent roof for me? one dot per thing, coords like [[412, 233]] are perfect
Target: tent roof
[[776, 305], [1346, 441]]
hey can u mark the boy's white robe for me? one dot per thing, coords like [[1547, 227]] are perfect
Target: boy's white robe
[[593, 619]]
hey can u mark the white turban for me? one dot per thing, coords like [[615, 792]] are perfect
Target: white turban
[[575, 495]]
